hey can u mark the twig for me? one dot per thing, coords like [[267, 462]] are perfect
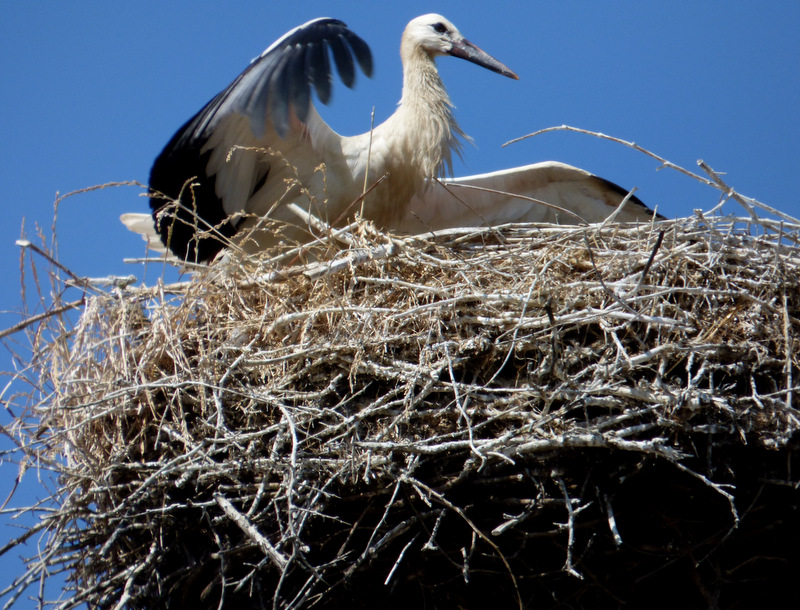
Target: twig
[[399, 559], [603, 136], [28, 245], [42, 316], [788, 350], [746, 202], [612, 522], [278, 559], [569, 567]]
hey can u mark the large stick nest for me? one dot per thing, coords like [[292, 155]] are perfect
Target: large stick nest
[[532, 416]]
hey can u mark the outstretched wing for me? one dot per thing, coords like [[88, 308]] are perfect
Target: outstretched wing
[[542, 192], [195, 191]]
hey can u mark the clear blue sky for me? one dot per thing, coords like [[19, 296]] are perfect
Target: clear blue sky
[[91, 91]]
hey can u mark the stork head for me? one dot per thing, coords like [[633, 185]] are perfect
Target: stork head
[[435, 35]]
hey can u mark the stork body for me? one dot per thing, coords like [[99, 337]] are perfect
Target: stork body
[[226, 176]]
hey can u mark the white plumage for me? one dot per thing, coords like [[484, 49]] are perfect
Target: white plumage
[[226, 176]]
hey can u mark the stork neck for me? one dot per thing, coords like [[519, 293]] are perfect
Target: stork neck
[[422, 84], [427, 121]]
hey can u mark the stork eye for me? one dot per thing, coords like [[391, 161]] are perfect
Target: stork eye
[[439, 27]]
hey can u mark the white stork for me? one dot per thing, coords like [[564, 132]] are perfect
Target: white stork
[[226, 176]]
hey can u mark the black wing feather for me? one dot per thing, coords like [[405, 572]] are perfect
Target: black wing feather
[[191, 219], [299, 91], [344, 61], [360, 50], [318, 69], [278, 104]]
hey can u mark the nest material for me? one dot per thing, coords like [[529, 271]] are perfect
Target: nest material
[[528, 417]]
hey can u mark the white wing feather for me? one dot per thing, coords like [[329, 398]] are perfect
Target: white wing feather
[[543, 192]]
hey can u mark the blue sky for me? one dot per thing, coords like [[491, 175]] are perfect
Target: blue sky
[[91, 91]]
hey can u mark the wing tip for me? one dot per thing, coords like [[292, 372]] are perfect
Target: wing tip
[[310, 47]]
